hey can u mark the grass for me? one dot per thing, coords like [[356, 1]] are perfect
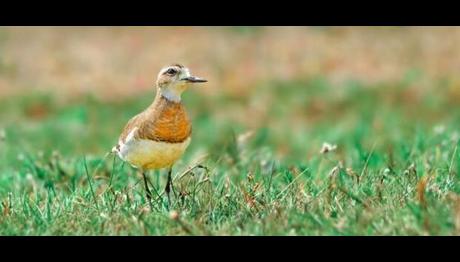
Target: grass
[[395, 170]]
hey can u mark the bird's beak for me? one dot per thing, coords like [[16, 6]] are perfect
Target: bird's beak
[[194, 79]]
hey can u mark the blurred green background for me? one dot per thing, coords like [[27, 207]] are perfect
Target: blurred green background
[[72, 88]]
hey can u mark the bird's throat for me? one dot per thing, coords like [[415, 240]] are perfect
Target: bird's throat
[[171, 94]]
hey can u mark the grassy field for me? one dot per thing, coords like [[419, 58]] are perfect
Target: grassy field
[[395, 169]]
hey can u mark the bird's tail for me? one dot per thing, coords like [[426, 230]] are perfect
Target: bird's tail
[[115, 149]]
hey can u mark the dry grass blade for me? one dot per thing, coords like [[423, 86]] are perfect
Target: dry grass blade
[[421, 188], [367, 160], [452, 159], [292, 182], [90, 184], [195, 165]]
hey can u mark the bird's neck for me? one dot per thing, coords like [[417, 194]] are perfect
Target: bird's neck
[[170, 94], [163, 100]]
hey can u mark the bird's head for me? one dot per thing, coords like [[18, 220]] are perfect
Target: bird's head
[[175, 79]]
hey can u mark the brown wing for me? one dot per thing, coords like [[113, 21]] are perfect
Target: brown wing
[[132, 123]]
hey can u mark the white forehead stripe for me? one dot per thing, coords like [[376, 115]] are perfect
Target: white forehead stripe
[[185, 72]]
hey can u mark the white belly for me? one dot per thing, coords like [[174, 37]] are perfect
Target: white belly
[[148, 154]]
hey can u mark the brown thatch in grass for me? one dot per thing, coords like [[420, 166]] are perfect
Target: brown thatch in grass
[[421, 187]]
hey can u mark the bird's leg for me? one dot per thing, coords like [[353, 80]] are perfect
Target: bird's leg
[[147, 190], [169, 185], [171, 181]]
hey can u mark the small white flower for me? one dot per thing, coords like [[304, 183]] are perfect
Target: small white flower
[[2, 134], [40, 154], [244, 138], [263, 162], [174, 215], [326, 148], [21, 157], [439, 129], [412, 166], [55, 154], [334, 171], [410, 169]]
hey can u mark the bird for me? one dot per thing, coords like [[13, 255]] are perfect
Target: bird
[[158, 136]]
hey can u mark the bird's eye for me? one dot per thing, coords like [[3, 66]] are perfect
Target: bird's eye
[[171, 71]]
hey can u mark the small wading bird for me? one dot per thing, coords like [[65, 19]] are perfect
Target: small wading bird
[[157, 137]]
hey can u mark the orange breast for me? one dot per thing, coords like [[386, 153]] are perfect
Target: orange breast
[[166, 121], [173, 124]]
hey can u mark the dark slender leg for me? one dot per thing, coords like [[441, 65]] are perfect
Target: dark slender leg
[[169, 186], [147, 191]]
